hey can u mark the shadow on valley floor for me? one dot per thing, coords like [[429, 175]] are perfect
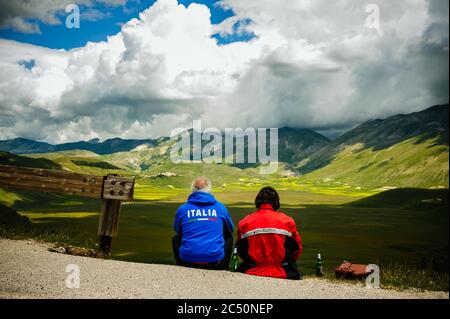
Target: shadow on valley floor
[[407, 227]]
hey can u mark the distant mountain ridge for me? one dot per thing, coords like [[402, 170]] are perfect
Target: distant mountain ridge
[[25, 146], [294, 144], [297, 144], [114, 145]]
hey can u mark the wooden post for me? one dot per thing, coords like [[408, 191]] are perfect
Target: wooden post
[[108, 224], [115, 189]]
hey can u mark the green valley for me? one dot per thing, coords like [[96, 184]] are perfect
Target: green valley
[[377, 194]]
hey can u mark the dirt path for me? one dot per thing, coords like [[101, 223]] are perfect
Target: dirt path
[[28, 270]]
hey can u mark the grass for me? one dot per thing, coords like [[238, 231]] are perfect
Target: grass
[[16, 160], [83, 162], [408, 163], [412, 237], [101, 164], [8, 198], [400, 276], [15, 226], [49, 235], [406, 198], [37, 216], [426, 277]]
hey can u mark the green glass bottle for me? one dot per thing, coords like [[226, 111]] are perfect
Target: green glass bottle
[[234, 263], [319, 266]]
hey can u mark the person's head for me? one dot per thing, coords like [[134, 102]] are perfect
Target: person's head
[[201, 184], [268, 195]]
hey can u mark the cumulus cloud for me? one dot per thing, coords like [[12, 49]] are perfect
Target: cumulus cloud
[[18, 13], [311, 64], [329, 70]]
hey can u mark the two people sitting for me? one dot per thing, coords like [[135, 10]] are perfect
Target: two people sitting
[[267, 240]]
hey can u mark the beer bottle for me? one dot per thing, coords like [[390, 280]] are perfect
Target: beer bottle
[[234, 261], [319, 267]]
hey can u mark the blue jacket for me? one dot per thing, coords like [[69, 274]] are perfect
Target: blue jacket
[[201, 222]]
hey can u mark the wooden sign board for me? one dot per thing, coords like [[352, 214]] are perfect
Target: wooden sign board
[[85, 185]]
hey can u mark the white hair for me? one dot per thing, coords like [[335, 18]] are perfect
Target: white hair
[[201, 185]]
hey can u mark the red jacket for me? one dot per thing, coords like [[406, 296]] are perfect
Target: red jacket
[[269, 244]]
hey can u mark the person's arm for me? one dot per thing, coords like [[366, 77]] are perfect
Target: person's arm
[[296, 236], [176, 222], [239, 244], [296, 254]]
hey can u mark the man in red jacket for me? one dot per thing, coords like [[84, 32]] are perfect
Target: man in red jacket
[[268, 241]]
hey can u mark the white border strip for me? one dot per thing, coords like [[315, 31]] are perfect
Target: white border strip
[[261, 231]]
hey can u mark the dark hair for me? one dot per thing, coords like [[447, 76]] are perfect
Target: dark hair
[[268, 195]]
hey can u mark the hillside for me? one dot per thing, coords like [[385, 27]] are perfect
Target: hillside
[[83, 162], [16, 160], [430, 124], [406, 164], [295, 145], [401, 151]]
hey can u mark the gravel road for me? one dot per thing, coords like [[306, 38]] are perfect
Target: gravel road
[[28, 270]]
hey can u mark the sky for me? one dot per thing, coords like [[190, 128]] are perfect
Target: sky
[[98, 20], [142, 68]]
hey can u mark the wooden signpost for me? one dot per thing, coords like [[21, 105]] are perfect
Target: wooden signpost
[[111, 189]]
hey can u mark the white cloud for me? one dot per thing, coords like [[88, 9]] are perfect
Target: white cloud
[[328, 70], [313, 64], [16, 14], [21, 25]]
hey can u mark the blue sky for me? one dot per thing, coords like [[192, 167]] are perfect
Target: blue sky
[[60, 37]]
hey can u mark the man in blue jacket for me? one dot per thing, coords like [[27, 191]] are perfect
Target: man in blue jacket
[[204, 230]]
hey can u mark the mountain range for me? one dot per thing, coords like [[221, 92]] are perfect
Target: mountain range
[[114, 145], [406, 150]]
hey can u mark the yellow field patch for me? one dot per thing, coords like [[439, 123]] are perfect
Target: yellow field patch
[[124, 254], [40, 215]]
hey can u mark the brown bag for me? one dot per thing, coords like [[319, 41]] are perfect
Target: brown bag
[[355, 270]]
